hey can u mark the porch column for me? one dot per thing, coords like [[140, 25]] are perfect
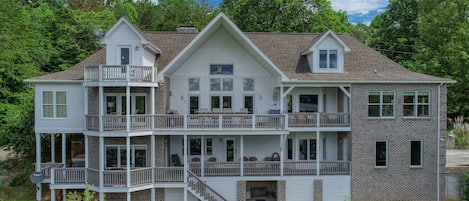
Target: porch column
[[153, 194], [281, 99], [153, 158], [101, 109], [128, 109], [128, 196], [52, 148], [85, 92], [241, 155], [152, 107], [64, 194], [318, 165], [38, 165], [281, 155], [127, 145], [52, 195], [64, 149], [101, 164], [202, 155], [186, 164], [86, 159]]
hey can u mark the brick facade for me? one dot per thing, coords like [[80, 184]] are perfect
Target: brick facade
[[317, 190], [398, 181]]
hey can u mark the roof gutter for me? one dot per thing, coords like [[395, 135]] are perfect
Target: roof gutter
[[368, 82], [53, 81]]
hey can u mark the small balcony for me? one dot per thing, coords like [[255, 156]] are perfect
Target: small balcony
[[122, 73], [217, 121]]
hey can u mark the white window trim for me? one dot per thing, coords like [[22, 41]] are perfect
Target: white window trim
[[387, 155], [315, 60], [416, 104], [132, 153], [421, 154], [381, 105], [54, 104]]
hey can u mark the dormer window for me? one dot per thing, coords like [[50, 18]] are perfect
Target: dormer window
[[327, 58]]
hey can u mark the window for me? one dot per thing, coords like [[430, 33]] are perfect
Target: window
[[307, 149], [54, 104], [215, 102], [195, 146], [416, 153], [381, 154], [116, 103], [328, 59], [116, 156], [193, 104], [290, 148], [194, 84], [416, 104], [249, 103], [308, 103], [216, 84], [381, 104], [221, 69], [248, 84]]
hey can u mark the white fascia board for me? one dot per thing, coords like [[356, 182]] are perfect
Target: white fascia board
[[220, 20], [304, 82], [326, 34], [52, 81]]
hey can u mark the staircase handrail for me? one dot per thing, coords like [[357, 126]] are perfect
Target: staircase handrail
[[207, 190]]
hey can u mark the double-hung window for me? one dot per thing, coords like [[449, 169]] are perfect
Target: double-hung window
[[195, 146], [54, 104], [416, 104], [328, 59], [381, 154], [116, 156], [381, 104]]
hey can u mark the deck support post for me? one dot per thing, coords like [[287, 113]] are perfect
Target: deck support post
[[52, 148], [202, 155], [129, 163], [38, 165], [101, 164], [64, 149], [241, 155], [318, 165], [127, 105]]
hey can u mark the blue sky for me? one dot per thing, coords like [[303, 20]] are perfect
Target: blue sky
[[360, 10]]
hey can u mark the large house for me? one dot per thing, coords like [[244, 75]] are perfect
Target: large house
[[226, 115]]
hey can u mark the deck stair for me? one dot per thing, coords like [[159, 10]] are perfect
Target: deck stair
[[201, 190]]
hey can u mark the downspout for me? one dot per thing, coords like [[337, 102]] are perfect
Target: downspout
[[438, 145]]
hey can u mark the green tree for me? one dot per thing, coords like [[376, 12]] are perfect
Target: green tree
[[87, 195], [286, 15]]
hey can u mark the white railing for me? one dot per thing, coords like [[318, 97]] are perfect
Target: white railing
[[115, 178], [46, 168], [140, 176], [216, 168], [218, 121], [69, 175], [319, 119], [169, 174], [299, 168], [120, 73], [264, 168], [201, 188], [334, 167]]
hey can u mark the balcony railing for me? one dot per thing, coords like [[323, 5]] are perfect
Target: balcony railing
[[120, 73], [142, 176], [217, 121]]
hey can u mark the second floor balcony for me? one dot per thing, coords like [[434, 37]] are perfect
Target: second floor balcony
[[142, 122], [123, 73]]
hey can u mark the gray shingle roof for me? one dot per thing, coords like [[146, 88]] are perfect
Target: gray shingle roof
[[361, 64]]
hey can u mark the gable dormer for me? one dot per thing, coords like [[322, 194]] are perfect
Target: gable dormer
[[327, 54], [126, 45]]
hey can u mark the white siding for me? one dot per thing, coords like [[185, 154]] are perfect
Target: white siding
[[172, 194], [222, 48], [75, 109], [123, 36]]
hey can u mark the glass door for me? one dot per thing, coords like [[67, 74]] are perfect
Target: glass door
[[230, 150]]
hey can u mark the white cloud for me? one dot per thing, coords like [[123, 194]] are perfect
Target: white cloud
[[359, 7]]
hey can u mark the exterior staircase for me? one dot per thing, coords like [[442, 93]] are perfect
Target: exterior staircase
[[201, 190]]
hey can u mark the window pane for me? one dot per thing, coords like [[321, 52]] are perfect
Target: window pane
[[62, 111], [111, 156], [111, 104], [209, 146], [388, 110], [423, 97], [249, 103], [289, 148], [373, 97], [388, 97], [333, 58], [415, 153], [308, 103], [61, 97], [248, 84], [409, 110], [322, 58], [215, 84], [226, 101], [48, 111], [422, 111], [227, 84], [47, 104], [215, 102], [139, 105], [140, 156], [312, 149], [303, 149], [47, 97], [409, 97], [123, 155], [194, 84], [193, 104], [195, 147], [381, 154], [221, 69], [373, 110]]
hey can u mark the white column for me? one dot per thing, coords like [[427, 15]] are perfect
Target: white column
[[38, 165], [52, 148], [52, 195], [153, 194], [186, 165], [64, 149], [129, 165], [64, 194], [85, 101], [152, 106], [101, 164], [128, 196], [86, 159], [318, 165], [281, 155], [241, 154], [202, 155], [281, 100], [101, 108], [153, 158], [127, 96]]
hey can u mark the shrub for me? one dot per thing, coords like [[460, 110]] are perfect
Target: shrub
[[461, 133]]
